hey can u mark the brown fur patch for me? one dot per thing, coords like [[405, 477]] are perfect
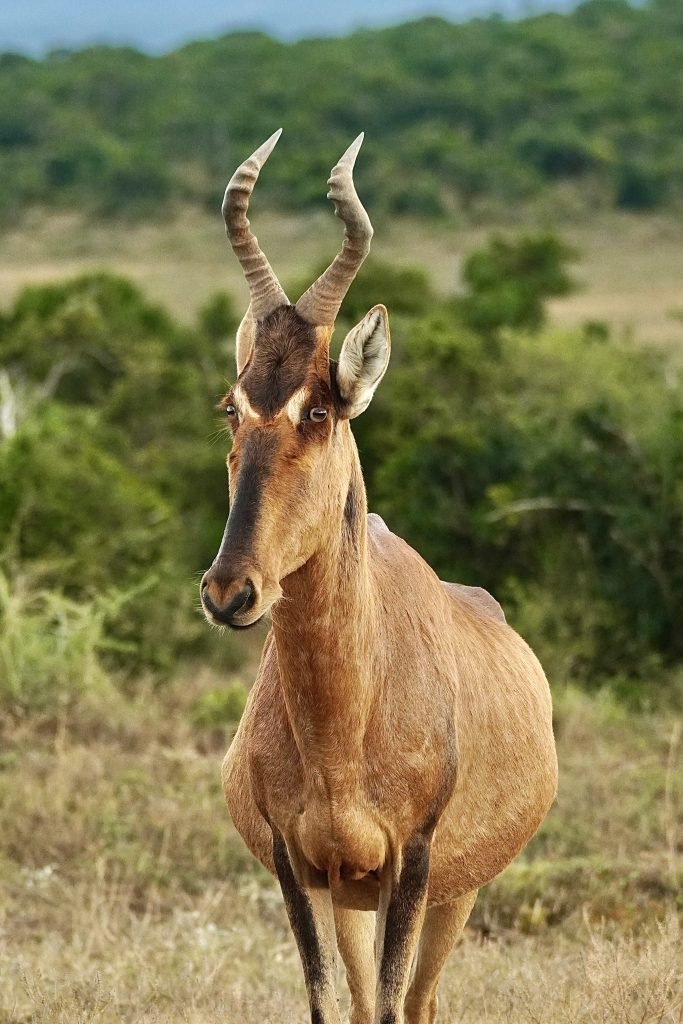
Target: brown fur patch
[[395, 725], [284, 350]]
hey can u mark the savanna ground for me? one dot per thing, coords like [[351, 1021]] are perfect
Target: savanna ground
[[629, 268], [126, 896]]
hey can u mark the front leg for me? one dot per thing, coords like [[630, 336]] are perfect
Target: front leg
[[311, 916], [403, 901]]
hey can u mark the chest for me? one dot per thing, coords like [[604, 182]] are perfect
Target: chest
[[397, 765]]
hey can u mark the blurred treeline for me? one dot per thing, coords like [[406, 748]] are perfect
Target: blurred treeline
[[470, 118], [544, 465]]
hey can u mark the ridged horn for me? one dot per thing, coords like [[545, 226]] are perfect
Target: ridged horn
[[320, 304], [265, 291]]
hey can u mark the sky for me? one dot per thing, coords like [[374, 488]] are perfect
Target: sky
[[36, 26]]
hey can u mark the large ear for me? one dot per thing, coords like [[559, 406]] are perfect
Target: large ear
[[362, 361], [245, 340]]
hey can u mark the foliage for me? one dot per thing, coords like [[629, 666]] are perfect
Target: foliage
[[471, 117], [509, 280], [220, 707], [547, 467], [107, 477], [50, 647], [217, 318]]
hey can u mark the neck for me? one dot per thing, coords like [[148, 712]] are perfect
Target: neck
[[324, 636]]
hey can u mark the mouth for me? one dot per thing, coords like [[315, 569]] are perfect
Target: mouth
[[252, 616], [235, 622], [238, 625]]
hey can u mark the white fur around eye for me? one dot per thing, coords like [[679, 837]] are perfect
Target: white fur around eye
[[363, 360], [243, 405], [296, 405]]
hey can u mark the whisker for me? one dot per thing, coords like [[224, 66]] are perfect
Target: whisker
[[217, 435]]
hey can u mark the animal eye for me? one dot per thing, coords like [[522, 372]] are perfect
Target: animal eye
[[230, 410], [318, 415]]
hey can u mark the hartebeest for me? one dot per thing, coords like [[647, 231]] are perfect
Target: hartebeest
[[396, 751]]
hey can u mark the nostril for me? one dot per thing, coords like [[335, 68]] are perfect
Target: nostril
[[242, 601], [208, 603]]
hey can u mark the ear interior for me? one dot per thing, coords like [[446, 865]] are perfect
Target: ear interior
[[363, 360], [244, 341]]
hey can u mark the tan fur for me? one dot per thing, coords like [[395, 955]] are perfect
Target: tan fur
[[369, 660], [387, 706], [356, 940], [443, 924], [396, 751]]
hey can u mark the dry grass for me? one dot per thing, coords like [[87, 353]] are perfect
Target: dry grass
[[231, 959], [630, 268], [125, 896]]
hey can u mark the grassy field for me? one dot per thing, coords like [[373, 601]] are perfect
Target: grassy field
[[629, 269], [126, 896]]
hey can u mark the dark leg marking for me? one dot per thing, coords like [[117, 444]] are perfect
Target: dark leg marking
[[404, 907], [300, 917], [318, 970]]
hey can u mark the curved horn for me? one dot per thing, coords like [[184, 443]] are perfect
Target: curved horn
[[264, 288], [320, 304]]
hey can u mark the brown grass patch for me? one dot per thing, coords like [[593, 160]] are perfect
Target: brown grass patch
[[126, 896]]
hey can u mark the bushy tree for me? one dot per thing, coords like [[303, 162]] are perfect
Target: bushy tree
[[510, 280], [474, 116], [544, 465], [549, 468], [107, 477]]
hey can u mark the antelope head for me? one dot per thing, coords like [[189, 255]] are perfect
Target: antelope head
[[292, 453]]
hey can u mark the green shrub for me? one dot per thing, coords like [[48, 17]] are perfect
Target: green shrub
[[509, 280], [220, 707], [107, 477], [545, 466], [217, 318], [476, 115], [51, 647], [549, 469]]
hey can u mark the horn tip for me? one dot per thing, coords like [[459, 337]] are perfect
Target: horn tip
[[264, 151], [351, 153], [252, 165]]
